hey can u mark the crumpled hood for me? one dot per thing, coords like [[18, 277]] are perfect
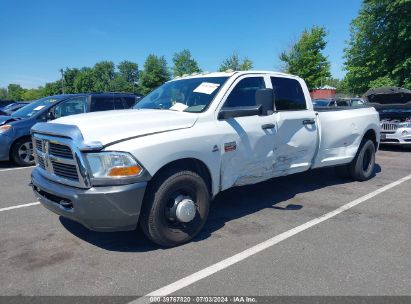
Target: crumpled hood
[[113, 126], [6, 119]]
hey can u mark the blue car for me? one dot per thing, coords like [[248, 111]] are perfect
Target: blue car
[[15, 140], [13, 107]]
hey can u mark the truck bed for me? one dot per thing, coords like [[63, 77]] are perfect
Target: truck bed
[[336, 145]]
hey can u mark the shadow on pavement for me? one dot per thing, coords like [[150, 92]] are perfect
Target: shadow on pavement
[[395, 148], [227, 206], [7, 165]]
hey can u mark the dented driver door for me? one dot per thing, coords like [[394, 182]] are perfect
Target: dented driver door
[[247, 143]]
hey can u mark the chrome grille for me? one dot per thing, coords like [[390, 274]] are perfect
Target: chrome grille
[[60, 150], [389, 127], [41, 162], [65, 170], [60, 160], [39, 145]]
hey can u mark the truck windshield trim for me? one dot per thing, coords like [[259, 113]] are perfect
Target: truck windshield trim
[[192, 95]]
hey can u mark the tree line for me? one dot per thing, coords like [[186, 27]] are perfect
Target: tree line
[[105, 76], [378, 53]]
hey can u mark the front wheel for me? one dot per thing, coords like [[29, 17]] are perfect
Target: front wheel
[[362, 167], [22, 152], [175, 208]]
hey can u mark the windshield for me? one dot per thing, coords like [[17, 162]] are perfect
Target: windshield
[[189, 95], [321, 103], [34, 107]]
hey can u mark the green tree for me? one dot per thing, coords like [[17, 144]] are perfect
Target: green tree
[[70, 76], [385, 81], [52, 88], [379, 49], [15, 92], [155, 73], [184, 63], [84, 82], [236, 64], [33, 94], [126, 77], [3, 93], [305, 57], [128, 70], [103, 74], [120, 84]]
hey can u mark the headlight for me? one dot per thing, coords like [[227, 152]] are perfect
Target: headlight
[[113, 165], [405, 125], [4, 129]]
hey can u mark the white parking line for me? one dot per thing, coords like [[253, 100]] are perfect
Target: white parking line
[[173, 287], [19, 206], [12, 169]]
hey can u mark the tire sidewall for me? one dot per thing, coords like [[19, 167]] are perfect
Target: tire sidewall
[[153, 221], [15, 153], [357, 170]]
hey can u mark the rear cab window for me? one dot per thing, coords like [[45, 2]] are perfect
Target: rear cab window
[[289, 95]]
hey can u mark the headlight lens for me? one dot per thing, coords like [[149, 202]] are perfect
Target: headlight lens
[[4, 129], [113, 165], [405, 125]]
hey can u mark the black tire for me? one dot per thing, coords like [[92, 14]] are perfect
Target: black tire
[[362, 167], [22, 152], [161, 191]]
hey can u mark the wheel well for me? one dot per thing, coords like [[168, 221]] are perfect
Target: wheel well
[[192, 164], [17, 139], [370, 134]]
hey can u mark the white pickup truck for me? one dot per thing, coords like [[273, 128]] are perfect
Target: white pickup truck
[[160, 164]]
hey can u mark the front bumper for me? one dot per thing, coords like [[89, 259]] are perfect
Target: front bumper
[[109, 208], [402, 136], [5, 144]]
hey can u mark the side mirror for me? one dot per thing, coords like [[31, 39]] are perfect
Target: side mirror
[[265, 99], [239, 112]]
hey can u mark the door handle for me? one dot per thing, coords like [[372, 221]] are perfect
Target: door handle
[[268, 126], [308, 121]]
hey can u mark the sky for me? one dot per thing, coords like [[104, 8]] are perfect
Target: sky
[[40, 37]]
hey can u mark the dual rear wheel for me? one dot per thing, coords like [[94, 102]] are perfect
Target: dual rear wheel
[[362, 166]]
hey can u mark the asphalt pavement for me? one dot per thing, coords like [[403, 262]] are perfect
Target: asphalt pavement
[[364, 250]]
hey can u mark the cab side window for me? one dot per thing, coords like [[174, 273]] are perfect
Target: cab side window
[[118, 103], [289, 95], [72, 106], [130, 101], [243, 94], [102, 103]]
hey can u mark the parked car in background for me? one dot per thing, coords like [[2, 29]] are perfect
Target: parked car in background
[[330, 103], [394, 106], [339, 102], [15, 140], [356, 101], [13, 107]]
